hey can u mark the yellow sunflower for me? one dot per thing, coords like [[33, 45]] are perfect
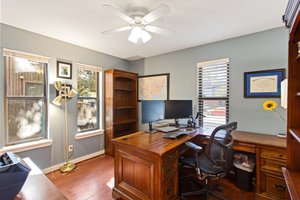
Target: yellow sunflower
[[269, 105]]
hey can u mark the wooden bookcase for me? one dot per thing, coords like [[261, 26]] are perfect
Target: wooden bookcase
[[120, 99], [292, 172]]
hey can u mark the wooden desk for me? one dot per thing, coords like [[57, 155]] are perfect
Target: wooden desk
[[38, 186], [146, 165]]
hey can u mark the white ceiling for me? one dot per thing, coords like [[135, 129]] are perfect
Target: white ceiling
[[194, 22]]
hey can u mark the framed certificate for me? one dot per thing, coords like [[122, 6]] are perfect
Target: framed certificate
[[263, 84]]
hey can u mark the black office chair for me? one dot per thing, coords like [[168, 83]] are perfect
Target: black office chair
[[214, 162]]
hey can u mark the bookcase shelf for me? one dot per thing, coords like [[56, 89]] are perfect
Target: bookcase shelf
[[120, 97], [125, 89], [293, 182], [125, 107], [124, 121], [295, 133]]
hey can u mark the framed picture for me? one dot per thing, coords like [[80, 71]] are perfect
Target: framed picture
[[153, 87], [64, 90], [64, 70], [263, 84]]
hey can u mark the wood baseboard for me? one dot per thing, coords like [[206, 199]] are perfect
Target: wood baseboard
[[76, 160]]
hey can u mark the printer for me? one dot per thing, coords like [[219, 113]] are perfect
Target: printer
[[13, 174]]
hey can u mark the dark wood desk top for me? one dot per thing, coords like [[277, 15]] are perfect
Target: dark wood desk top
[[259, 139], [38, 186], [153, 142], [252, 138]]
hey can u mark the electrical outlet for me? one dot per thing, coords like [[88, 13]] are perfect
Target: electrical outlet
[[70, 148]]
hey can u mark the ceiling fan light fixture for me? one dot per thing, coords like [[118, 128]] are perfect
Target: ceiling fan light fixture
[[145, 36], [135, 34], [138, 35], [132, 39], [139, 22]]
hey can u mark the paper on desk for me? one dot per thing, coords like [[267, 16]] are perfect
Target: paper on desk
[[34, 169]]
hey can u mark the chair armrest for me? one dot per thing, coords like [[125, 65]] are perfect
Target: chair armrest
[[194, 147]]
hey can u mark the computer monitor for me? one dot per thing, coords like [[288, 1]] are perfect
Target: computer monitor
[[178, 109], [152, 110]]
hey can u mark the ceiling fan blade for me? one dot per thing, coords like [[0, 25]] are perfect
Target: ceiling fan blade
[[160, 31], [115, 11], [115, 30], [156, 13]]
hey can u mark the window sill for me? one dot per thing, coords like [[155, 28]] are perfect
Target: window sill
[[88, 134], [27, 146]]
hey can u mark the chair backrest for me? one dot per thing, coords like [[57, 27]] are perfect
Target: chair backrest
[[218, 149]]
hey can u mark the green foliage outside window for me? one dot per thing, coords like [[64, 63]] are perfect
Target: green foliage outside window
[[87, 83], [88, 100]]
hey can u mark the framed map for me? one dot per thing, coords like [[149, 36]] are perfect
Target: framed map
[[153, 87]]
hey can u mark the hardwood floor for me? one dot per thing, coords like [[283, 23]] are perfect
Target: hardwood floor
[[229, 189], [93, 180]]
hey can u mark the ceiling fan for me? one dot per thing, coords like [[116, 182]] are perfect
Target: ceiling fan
[[139, 22]]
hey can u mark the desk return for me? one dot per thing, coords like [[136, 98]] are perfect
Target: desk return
[[146, 165]]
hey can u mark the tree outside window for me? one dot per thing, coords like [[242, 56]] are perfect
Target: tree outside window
[[88, 99]]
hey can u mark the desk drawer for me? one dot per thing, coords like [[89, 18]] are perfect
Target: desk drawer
[[274, 185], [273, 153], [170, 164], [272, 165], [246, 147], [170, 188]]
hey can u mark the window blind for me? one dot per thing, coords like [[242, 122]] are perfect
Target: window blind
[[213, 92], [89, 67]]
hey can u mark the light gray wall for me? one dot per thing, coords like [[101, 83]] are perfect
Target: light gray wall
[[21, 40], [259, 51]]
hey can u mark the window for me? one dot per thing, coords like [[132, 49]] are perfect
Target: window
[[25, 97], [88, 101], [213, 91]]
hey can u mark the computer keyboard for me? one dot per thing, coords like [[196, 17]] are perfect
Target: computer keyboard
[[167, 129], [175, 135]]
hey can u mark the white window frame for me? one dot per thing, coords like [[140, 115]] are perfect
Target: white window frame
[[39, 143], [99, 131], [211, 63]]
